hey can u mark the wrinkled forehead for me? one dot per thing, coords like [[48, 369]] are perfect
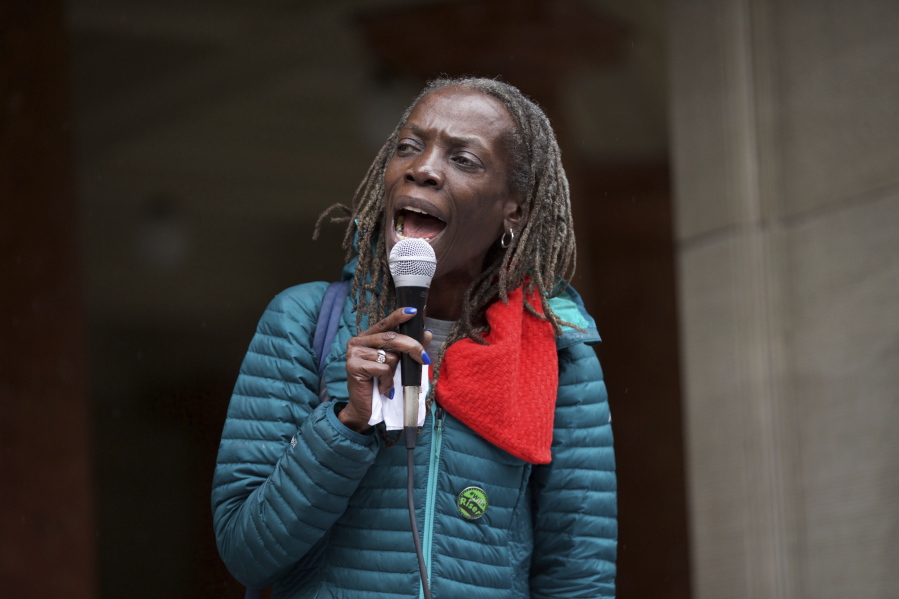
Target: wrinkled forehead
[[460, 101]]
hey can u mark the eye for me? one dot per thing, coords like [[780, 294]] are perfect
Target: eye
[[466, 161], [405, 147]]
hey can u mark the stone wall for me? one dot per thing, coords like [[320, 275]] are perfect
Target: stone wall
[[785, 138]]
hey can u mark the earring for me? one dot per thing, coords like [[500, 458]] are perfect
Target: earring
[[503, 242]]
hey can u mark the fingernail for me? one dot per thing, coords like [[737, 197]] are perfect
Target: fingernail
[[425, 358], [391, 392], [430, 331], [410, 310]]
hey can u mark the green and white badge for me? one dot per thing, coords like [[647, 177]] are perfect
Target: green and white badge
[[472, 503]]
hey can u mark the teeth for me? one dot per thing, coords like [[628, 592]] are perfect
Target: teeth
[[400, 224]]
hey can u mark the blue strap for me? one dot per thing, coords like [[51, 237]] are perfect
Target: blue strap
[[329, 320]]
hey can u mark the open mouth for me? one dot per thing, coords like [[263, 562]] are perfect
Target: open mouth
[[414, 223]]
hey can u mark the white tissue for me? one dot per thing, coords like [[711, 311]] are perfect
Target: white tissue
[[390, 411]]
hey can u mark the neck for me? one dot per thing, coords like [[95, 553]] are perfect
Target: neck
[[446, 295]]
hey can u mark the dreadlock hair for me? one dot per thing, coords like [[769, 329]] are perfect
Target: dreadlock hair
[[542, 254]]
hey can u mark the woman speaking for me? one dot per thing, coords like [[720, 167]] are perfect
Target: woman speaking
[[514, 475]]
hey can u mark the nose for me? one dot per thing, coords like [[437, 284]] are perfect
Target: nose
[[424, 170]]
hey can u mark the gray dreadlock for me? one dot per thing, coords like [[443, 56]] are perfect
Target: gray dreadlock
[[541, 256]]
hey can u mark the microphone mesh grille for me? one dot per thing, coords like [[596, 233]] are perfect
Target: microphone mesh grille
[[412, 257]]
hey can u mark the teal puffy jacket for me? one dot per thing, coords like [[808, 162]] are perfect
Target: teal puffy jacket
[[304, 503]]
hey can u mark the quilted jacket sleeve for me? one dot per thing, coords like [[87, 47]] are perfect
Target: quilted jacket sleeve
[[575, 508], [286, 466]]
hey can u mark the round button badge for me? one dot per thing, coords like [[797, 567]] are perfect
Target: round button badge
[[472, 503]]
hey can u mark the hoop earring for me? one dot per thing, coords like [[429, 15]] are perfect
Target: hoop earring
[[503, 242]]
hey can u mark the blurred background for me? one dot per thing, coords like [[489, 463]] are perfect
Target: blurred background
[[734, 168]]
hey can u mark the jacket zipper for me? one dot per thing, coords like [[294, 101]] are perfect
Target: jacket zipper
[[431, 498]]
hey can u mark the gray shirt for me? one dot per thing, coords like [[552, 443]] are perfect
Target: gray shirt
[[441, 330]]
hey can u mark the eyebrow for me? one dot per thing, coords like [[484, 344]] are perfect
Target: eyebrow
[[457, 141]]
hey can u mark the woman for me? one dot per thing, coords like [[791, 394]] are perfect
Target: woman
[[514, 470]]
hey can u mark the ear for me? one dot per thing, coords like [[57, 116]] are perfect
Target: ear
[[512, 213]]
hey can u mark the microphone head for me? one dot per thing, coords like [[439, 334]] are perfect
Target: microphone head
[[412, 263]]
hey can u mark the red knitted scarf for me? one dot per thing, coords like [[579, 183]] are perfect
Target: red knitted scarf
[[506, 390]]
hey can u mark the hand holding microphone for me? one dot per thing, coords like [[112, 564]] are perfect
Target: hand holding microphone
[[412, 265]]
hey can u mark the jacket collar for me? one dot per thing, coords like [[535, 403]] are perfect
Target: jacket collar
[[569, 306]]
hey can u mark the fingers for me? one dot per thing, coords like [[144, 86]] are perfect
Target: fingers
[[390, 323], [391, 359], [384, 372], [371, 359], [389, 342], [363, 363], [365, 368], [385, 385], [383, 335]]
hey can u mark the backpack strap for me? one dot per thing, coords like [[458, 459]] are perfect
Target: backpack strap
[[325, 331], [326, 328]]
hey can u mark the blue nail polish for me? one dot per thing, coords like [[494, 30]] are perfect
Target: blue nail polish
[[425, 358], [410, 310], [430, 331], [390, 394]]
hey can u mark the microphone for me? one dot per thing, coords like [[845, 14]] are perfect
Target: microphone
[[412, 265]]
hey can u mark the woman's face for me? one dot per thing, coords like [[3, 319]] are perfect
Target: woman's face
[[448, 180]]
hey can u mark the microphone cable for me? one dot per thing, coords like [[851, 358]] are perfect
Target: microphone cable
[[410, 433]]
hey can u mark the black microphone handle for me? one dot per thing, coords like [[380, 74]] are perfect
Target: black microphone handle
[[412, 297]]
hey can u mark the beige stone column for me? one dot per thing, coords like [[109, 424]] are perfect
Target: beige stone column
[[786, 160]]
